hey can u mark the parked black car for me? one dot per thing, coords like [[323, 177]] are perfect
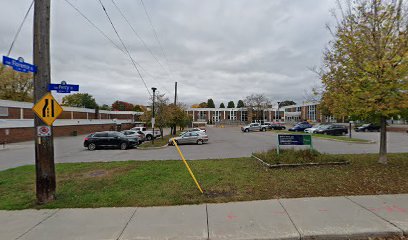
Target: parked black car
[[109, 139], [369, 127], [275, 126], [332, 129]]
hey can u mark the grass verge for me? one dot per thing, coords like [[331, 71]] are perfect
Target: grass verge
[[328, 137], [153, 183], [160, 142], [298, 156]]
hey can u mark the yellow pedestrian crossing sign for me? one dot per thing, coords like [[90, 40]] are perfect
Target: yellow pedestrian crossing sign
[[47, 109]]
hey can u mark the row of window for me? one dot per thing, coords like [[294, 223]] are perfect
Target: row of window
[[230, 115]]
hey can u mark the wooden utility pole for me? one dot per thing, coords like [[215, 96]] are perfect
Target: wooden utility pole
[[44, 146], [174, 128]]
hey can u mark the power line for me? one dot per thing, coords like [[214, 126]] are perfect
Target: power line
[[94, 25], [124, 46], [138, 36], [107, 37], [156, 35], [19, 28]]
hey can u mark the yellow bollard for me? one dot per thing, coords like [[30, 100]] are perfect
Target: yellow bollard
[[188, 167]]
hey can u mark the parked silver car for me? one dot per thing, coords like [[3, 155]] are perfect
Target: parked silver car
[[135, 134], [189, 138]]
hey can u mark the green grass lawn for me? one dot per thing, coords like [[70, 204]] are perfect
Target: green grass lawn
[[153, 183], [160, 142], [322, 136]]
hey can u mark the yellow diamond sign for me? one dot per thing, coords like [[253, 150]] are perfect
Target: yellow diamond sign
[[47, 109]]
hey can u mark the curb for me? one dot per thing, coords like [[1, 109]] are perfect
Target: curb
[[338, 140], [298, 164]]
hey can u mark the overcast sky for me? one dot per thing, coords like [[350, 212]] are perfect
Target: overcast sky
[[223, 50]]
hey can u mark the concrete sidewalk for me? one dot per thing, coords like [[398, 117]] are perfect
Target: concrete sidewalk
[[303, 218]]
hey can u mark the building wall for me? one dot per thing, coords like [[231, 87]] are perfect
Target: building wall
[[13, 113], [28, 133]]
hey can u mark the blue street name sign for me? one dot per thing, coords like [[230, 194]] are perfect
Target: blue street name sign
[[63, 87], [19, 65]]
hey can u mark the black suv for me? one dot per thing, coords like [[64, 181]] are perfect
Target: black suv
[[370, 127], [109, 139], [332, 130]]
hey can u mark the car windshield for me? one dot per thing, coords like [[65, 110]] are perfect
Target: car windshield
[[366, 125]]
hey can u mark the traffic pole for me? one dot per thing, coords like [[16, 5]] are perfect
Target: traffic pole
[[175, 105], [44, 146], [153, 114]]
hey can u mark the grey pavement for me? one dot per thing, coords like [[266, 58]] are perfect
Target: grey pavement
[[224, 143], [354, 217]]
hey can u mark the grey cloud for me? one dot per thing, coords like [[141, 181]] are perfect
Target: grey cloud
[[223, 50]]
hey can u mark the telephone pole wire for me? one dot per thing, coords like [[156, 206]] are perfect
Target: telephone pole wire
[[44, 146]]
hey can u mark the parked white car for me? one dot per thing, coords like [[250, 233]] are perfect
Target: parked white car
[[148, 133], [314, 128]]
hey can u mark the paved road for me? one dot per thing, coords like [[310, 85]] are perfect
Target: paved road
[[302, 218], [224, 143]]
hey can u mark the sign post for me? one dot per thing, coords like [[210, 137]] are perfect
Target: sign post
[[294, 139], [44, 146]]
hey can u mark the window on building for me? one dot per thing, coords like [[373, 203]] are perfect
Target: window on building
[[233, 115], [244, 116], [202, 115], [4, 112], [311, 112], [216, 116]]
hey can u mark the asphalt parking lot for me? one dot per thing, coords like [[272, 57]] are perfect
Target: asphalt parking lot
[[224, 143]]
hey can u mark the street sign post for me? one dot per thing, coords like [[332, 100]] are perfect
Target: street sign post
[[294, 139], [19, 65], [63, 87], [47, 109]]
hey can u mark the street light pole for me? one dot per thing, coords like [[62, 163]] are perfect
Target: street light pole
[[153, 120], [277, 115]]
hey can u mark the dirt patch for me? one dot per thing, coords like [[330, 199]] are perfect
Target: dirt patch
[[97, 173], [216, 194]]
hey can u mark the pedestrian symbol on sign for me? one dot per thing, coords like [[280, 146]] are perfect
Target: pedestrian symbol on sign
[[47, 109]]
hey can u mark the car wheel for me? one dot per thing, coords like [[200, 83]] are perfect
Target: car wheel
[[91, 146], [149, 137], [199, 142], [325, 133], [263, 129], [246, 130], [365, 130], [123, 146]]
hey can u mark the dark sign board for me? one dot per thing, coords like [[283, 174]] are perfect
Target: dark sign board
[[299, 139]]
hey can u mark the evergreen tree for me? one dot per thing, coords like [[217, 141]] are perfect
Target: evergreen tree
[[210, 103], [231, 104]]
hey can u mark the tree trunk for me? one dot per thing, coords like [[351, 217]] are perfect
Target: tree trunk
[[383, 141]]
